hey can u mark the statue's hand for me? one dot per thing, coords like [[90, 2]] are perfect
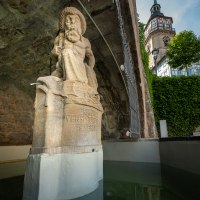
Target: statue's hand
[[88, 66], [89, 52]]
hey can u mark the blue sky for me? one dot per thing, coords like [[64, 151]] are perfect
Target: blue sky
[[185, 13]]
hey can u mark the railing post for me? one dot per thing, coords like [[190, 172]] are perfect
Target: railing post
[[163, 129]]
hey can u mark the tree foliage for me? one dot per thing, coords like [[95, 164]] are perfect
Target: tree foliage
[[176, 99], [184, 50]]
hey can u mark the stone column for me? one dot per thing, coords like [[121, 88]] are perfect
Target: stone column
[[66, 152], [66, 158]]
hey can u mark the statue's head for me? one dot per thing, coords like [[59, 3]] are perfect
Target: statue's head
[[71, 19]]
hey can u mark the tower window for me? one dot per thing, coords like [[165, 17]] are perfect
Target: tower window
[[148, 48], [166, 39]]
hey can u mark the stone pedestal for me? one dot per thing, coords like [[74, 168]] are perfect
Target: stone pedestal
[[66, 158], [62, 176]]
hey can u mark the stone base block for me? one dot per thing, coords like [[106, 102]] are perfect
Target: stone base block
[[96, 195], [62, 176]]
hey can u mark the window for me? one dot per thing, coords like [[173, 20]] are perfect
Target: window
[[154, 23], [148, 48], [166, 39]]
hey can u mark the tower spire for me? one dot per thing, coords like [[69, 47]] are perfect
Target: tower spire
[[156, 9]]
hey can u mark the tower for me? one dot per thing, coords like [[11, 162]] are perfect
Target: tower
[[158, 32]]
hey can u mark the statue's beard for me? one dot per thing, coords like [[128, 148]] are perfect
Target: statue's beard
[[72, 35]]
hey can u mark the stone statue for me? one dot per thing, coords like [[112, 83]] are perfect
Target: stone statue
[[72, 85], [67, 125], [72, 51]]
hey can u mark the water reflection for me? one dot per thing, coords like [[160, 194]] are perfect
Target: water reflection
[[127, 181], [131, 181], [96, 195], [126, 191], [139, 181]]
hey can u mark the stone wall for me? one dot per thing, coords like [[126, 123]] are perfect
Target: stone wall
[[143, 150], [16, 117], [181, 154], [148, 128], [27, 31]]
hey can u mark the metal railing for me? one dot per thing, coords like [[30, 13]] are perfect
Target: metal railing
[[192, 70], [159, 28]]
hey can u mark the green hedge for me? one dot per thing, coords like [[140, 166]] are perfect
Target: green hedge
[[177, 100]]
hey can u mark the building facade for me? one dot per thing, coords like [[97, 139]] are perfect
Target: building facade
[[158, 31]]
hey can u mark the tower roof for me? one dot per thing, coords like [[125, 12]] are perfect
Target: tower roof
[[156, 10]]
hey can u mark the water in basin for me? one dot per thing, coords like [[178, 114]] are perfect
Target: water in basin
[[127, 181]]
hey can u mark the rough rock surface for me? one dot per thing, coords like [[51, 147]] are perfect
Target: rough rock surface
[[27, 31], [16, 116]]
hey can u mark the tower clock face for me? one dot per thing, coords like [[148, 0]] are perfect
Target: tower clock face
[[148, 48], [166, 39]]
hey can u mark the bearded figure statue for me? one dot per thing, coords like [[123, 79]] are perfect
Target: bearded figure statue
[[71, 85], [71, 50]]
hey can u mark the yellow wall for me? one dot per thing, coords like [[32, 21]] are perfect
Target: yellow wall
[[13, 160]]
